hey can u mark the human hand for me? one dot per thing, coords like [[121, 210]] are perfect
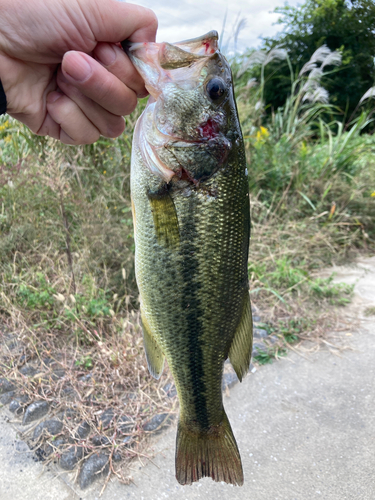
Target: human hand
[[61, 68]]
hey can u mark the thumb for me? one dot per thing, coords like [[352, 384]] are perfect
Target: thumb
[[115, 21]]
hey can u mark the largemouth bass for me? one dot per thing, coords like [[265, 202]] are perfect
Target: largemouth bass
[[192, 225]]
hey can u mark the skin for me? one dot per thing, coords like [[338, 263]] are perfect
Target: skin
[[62, 69]]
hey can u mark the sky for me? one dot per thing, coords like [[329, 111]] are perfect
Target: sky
[[183, 19]]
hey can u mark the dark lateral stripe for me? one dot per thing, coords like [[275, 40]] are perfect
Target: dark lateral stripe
[[194, 314]]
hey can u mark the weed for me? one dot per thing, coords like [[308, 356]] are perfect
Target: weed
[[337, 293], [284, 277], [291, 329], [85, 362], [40, 296], [264, 357], [370, 311]]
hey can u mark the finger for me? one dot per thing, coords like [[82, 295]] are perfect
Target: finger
[[117, 62], [98, 84], [75, 127], [108, 124], [119, 21], [49, 127]]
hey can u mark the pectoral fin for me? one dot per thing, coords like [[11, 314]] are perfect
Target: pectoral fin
[[240, 350], [154, 355], [165, 218]]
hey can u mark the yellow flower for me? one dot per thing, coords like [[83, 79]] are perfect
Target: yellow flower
[[373, 194], [264, 132], [8, 139], [261, 135], [104, 172], [4, 126]]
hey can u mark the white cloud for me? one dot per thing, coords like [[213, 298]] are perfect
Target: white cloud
[[191, 18]]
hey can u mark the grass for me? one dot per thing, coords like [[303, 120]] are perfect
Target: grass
[[83, 382], [370, 311], [67, 252]]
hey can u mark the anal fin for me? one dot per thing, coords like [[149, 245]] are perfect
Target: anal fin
[[154, 355], [242, 343]]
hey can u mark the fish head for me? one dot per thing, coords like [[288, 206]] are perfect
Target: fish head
[[190, 107]]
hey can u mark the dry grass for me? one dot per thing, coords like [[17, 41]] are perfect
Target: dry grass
[[81, 382]]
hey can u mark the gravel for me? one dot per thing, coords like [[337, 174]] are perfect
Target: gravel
[[6, 385], [157, 422], [93, 468], [52, 427], [71, 457], [36, 410], [83, 430]]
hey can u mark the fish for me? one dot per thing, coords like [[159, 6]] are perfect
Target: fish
[[191, 213]]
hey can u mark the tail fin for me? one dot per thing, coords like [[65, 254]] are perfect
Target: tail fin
[[212, 454]]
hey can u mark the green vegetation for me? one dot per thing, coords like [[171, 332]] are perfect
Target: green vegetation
[[312, 180], [67, 247], [65, 221], [344, 25], [66, 235], [264, 357], [370, 311]]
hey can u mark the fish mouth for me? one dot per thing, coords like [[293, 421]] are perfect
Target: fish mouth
[[173, 158], [154, 61], [201, 46]]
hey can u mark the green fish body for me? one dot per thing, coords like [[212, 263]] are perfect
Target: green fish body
[[192, 225]]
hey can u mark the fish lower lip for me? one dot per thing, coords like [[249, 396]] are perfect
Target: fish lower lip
[[213, 140], [197, 142]]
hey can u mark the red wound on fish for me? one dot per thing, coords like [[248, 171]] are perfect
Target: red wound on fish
[[184, 175], [209, 49], [209, 130]]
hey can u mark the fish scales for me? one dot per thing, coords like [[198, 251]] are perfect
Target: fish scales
[[192, 228]]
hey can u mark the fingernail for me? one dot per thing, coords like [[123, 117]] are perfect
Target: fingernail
[[105, 54], [53, 97], [78, 68]]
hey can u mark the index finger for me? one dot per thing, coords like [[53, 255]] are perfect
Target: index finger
[[114, 21]]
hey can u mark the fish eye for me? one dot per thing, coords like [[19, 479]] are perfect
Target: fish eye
[[215, 88]]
